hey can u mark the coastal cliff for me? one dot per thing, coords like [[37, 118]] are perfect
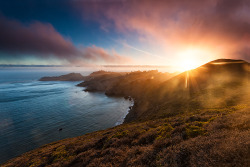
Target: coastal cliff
[[137, 85], [197, 118], [158, 94]]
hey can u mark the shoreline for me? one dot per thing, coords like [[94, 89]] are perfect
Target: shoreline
[[122, 119]]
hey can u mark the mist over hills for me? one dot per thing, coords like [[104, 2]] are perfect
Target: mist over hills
[[197, 118], [153, 90]]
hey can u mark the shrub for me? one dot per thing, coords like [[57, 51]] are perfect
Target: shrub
[[164, 131], [193, 131], [120, 134], [147, 138]]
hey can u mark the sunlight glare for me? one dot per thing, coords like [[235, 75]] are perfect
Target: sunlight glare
[[189, 59]]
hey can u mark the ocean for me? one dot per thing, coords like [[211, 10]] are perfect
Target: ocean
[[32, 111]]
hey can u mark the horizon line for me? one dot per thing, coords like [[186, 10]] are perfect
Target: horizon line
[[24, 65]]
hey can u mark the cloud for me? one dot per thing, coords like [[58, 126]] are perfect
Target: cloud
[[36, 38], [222, 26], [43, 41], [95, 53]]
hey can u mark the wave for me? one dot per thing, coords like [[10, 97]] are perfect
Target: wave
[[121, 120]]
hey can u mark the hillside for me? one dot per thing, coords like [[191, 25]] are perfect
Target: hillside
[[197, 118], [156, 94]]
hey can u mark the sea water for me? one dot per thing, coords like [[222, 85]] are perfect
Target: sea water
[[32, 111]]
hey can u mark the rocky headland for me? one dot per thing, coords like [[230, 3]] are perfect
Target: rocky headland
[[197, 118], [67, 77], [165, 92]]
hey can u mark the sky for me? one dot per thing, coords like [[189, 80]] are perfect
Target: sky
[[123, 32]]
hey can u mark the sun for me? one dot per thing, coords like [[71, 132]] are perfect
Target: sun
[[188, 64], [189, 59]]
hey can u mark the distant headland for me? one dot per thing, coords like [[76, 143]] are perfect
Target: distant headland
[[67, 77]]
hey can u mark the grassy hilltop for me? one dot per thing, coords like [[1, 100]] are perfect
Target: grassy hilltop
[[197, 118]]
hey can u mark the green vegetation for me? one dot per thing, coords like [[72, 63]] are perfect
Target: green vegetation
[[120, 134], [193, 131]]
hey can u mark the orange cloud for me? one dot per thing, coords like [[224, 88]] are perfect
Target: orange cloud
[[221, 26]]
